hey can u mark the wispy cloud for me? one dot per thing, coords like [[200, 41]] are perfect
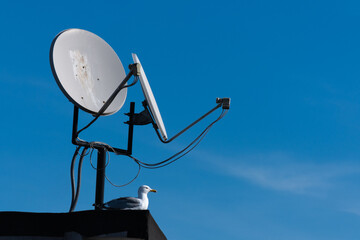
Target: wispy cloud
[[293, 178], [353, 210], [281, 172]]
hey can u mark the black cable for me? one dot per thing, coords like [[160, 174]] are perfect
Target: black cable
[[192, 145], [76, 197], [123, 185], [106, 146], [72, 176], [196, 142], [79, 177], [136, 78], [108, 162], [202, 135], [99, 113]]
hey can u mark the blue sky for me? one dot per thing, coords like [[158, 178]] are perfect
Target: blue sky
[[284, 162]]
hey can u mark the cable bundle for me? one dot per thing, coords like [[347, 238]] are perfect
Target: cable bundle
[[173, 158]]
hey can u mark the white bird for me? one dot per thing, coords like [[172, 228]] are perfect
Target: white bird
[[132, 203]]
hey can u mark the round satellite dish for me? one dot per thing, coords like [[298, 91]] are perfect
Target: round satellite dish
[[150, 99], [87, 70]]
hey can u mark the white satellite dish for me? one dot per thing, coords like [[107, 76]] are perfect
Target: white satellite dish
[[87, 70], [150, 99]]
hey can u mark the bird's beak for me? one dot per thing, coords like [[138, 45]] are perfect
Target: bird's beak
[[152, 190]]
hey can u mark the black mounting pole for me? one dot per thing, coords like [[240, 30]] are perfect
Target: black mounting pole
[[100, 178], [75, 125], [131, 127]]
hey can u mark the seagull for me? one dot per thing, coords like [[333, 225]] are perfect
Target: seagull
[[131, 203]]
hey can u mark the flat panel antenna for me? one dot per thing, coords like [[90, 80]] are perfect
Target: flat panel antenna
[[149, 96]]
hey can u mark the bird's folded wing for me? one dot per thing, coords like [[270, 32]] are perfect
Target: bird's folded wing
[[124, 202]]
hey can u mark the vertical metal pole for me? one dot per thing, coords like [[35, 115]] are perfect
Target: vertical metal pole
[[131, 128], [75, 125], [100, 178]]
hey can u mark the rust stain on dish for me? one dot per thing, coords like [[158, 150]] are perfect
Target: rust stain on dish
[[82, 73]]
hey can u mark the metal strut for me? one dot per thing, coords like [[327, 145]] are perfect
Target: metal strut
[[221, 102]]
